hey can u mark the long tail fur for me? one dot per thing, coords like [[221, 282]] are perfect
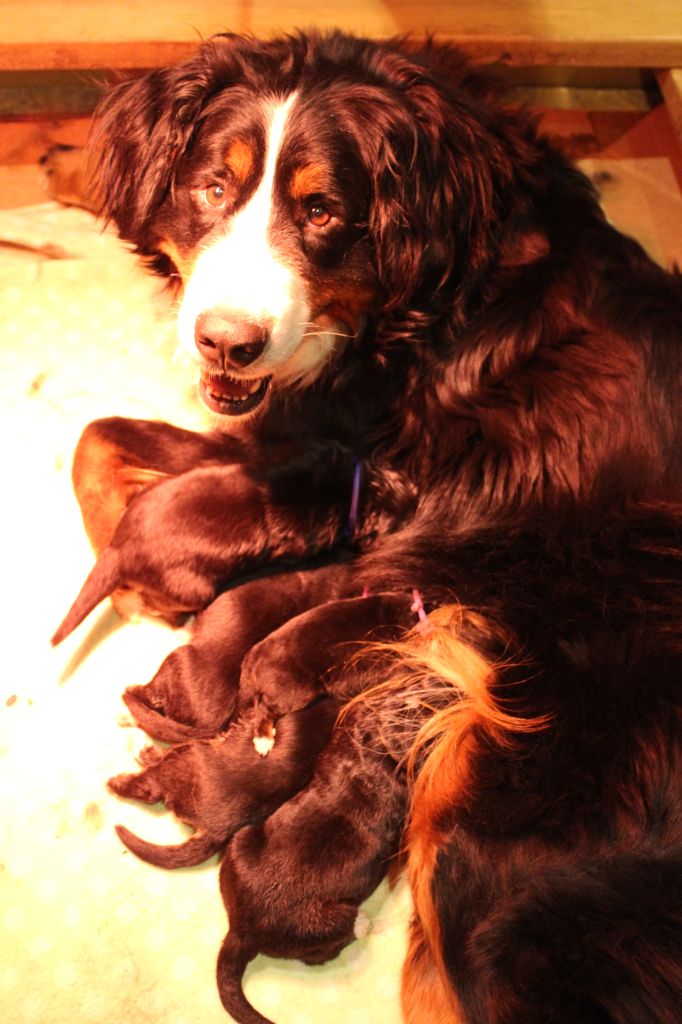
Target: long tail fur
[[447, 670], [104, 578], [636, 940]]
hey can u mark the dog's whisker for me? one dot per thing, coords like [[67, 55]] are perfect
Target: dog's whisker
[[322, 333]]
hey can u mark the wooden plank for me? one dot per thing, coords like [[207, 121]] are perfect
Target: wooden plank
[[670, 83], [77, 34]]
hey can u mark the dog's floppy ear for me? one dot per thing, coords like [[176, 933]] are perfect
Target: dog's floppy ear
[[443, 182], [143, 126]]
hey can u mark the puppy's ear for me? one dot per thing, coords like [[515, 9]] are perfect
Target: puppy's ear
[[143, 127], [442, 177]]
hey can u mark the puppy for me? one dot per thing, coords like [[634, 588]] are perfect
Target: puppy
[[180, 568], [209, 783], [195, 691], [309, 654], [217, 786], [292, 885]]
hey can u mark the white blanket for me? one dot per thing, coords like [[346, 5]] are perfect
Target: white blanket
[[89, 934]]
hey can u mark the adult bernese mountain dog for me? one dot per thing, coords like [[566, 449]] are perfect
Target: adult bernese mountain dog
[[401, 298]]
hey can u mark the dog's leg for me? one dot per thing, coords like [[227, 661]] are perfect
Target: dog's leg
[[307, 656], [194, 693], [424, 995], [217, 786]]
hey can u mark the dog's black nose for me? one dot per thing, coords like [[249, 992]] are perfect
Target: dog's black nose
[[230, 341]]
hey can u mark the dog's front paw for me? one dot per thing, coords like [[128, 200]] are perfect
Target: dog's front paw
[[149, 755]]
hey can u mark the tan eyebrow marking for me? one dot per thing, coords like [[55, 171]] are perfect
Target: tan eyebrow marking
[[184, 264], [240, 159], [308, 180]]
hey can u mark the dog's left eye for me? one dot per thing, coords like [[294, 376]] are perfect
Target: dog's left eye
[[319, 215]]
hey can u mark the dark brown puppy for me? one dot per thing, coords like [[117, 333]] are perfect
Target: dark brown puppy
[[310, 653], [195, 691], [293, 884], [117, 458], [211, 783], [179, 569], [219, 785]]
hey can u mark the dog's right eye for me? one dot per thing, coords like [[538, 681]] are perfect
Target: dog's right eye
[[214, 196], [318, 215]]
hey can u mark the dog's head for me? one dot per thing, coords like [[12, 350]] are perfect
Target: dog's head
[[312, 193]]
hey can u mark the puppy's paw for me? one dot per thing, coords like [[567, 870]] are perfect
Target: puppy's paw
[[136, 787], [135, 606], [263, 744], [149, 754]]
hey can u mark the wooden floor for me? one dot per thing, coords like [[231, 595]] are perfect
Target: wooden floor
[[80, 34], [551, 41]]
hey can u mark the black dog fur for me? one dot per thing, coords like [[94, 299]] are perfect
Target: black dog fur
[[513, 388]]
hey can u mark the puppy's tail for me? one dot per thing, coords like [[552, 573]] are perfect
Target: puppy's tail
[[233, 960], [104, 578], [195, 850]]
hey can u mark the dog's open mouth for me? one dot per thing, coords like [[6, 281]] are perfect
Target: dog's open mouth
[[232, 396]]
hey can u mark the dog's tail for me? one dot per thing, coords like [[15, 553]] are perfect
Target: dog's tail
[[232, 962], [195, 850], [104, 578]]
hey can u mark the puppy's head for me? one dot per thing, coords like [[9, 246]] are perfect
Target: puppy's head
[[311, 193]]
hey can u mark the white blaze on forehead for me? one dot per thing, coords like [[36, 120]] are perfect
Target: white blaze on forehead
[[240, 272]]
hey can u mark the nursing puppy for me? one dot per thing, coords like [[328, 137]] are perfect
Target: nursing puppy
[[263, 498], [195, 692], [292, 885], [212, 784], [219, 785], [238, 657]]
